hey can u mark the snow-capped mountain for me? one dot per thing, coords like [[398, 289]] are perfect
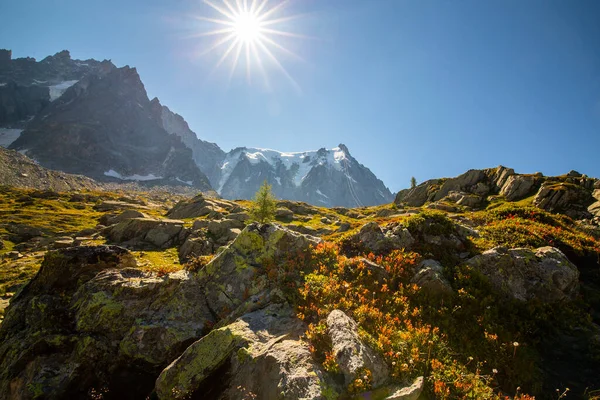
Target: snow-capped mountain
[[93, 119], [322, 177]]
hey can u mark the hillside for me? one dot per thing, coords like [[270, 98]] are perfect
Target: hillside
[[156, 295]]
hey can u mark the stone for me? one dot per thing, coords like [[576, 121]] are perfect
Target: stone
[[111, 219], [62, 243], [594, 209], [411, 392], [544, 274], [99, 319], [343, 227], [568, 198], [429, 277], [149, 232], [464, 199], [22, 232], [195, 247], [236, 276], [374, 239], [201, 206], [518, 187], [297, 207], [351, 354], [262, 353], [418, 195], [284, 214], [13, 255]]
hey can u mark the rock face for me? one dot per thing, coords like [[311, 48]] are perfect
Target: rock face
[[519, 186], [208, 156], [27, 86], [259, 355], [522, 274], [104, 127], [89, 321], [564, 197], [324, 177], [351, 354]]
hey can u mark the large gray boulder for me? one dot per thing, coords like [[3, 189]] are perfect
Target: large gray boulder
[[201, 206], [148, 232], [518, 186], [352, 355], [544, 274], [420, 194], [236, 278], [262, 354], [377, 240]]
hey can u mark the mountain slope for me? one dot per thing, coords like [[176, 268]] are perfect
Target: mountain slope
[[103, 126]]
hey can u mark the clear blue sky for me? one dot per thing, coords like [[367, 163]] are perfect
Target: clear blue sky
[[423, 88]]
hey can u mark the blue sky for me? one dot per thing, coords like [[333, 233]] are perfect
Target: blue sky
[[413, 88]]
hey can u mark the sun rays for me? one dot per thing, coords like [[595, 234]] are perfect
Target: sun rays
[[250, 33]]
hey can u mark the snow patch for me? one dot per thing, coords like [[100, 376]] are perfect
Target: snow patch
[[189, 183], [278, 179], [324, 195], [57, 90], [7, 136], [114, 174], [2, 84]]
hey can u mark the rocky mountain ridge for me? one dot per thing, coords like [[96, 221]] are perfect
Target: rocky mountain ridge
[[92, 118], [102, 125], [574, 194], [322, 177]]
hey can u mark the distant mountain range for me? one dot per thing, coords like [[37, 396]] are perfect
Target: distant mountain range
[[92, 118]]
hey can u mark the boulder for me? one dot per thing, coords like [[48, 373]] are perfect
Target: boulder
[[596, 194], [351, 354], [465, 199], [89, 320], [420, 194], [411, 392], [195, 246], [568, 198], [374, 239], [236, 278], [284, 214], [429, 277], [544, 274], [64, 242], [111, 219], [518, 187], [259, 355], [298, 207], [148, 232], [22, 232], [594, 209], [201, 206], [466, 182]]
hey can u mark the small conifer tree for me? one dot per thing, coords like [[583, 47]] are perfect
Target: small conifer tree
[[413, 182], [263, 205]]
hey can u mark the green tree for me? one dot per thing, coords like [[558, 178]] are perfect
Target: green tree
[[263, 205], [413, 182]]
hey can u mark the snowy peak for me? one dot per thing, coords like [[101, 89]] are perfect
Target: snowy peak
[[329, 177]]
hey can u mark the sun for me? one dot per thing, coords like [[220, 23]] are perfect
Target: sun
[[250, 32], [247, 28]]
